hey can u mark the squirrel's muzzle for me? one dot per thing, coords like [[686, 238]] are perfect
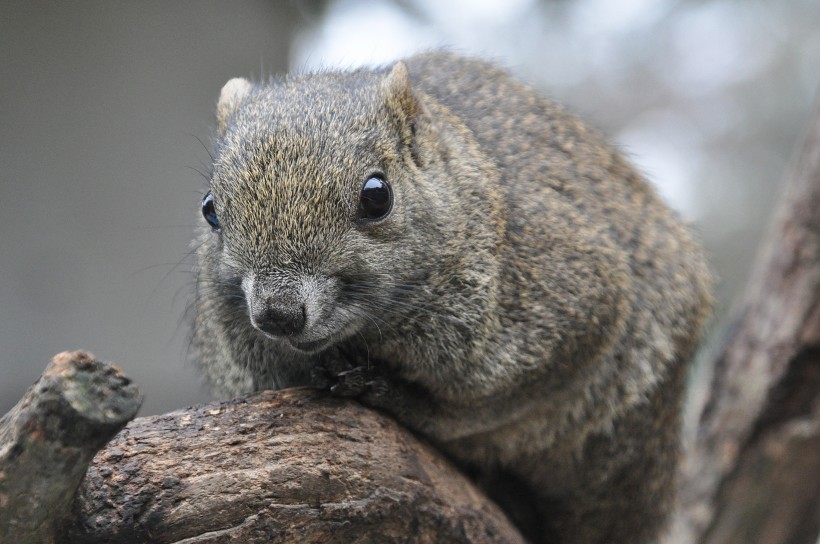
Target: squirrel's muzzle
[[277, 320], [287, 307]]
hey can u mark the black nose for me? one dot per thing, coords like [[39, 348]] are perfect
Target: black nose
[[280, 321]]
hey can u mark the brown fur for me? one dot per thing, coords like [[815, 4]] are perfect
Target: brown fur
[[530, 303]]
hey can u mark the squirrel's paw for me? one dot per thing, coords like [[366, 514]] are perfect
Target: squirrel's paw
[[361, 382], [350, 383], [330, 365], [345, 380]]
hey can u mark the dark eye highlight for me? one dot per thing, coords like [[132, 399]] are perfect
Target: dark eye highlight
[[209, 211], [375, 199]]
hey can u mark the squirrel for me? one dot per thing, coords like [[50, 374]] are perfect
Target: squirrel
[[441, 242]]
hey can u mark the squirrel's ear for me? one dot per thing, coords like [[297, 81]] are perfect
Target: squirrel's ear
[[399, 95], [408, 110], [229, 98]]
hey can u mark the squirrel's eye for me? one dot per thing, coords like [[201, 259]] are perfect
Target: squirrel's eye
[[209, 211], [376, 199]]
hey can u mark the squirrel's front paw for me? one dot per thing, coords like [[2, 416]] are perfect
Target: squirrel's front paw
[[328, 367], [364, 382], [345, 378], [350, 383]]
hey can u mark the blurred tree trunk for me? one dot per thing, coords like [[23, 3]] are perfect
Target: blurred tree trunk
[[752, 475], [299, 465]]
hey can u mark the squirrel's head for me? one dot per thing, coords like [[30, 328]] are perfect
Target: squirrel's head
[[336, 197]]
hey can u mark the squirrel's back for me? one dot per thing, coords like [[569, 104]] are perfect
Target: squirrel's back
[[568, 193]]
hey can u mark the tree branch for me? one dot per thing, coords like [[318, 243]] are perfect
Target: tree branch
[[48, 439], [289, 466]]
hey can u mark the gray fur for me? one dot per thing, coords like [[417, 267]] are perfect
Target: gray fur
[[530, 300]]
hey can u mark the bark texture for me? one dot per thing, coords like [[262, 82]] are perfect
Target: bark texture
[[290, 466]]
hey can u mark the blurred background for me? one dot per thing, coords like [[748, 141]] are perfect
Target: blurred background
[[106, 111]]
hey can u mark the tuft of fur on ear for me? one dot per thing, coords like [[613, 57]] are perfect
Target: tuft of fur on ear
[[229, 98]]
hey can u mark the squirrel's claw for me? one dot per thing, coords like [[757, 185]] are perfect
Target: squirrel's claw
[[337, 373], [362, 382], [350, 383]]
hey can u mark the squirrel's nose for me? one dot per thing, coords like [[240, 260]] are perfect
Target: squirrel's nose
[[280, 321]]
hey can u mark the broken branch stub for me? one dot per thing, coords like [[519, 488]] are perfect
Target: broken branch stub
[[50, 436]]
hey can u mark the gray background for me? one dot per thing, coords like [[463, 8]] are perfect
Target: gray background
[[105, 106]]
